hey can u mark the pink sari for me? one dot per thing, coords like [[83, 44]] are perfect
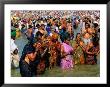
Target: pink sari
[[67, 62]]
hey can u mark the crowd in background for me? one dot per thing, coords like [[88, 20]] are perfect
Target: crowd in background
[[62, 38]]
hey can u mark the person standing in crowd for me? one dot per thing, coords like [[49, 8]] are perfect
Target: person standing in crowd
[[14, 51], [48, 29], [95, 41], [70, 30], [72, 36], [63, 34], [87, 33], [78, 54], [29, 34], [75, 26], [91, 50], [67, 61], [91, 54], [25, 69]]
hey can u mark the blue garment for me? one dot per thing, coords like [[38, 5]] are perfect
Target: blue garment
[[27, 48], [73, 19], [48, 29], [63, 35], [24, 30], [61, 31]]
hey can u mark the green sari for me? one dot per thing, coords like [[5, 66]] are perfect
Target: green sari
[[78, 54]]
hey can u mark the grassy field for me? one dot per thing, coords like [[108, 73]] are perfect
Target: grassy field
[[77, 71]]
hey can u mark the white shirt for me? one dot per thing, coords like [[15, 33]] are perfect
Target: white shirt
[[51, 34], [57, 29], [35, 31], [13, 46]]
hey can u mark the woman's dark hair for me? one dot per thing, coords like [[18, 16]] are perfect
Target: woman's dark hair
[[30, 26], [56, 25], [11, 23], [37, 25], [79, 20], [77, 34], [89, 21], [28, 47], [48, 24], [95, 40], [15, 51], [66, 36], [23, 25], [87, 24], [54, 19], [13, 37], [74, 26], [41, 18], [12, 30], [64, 29], [95, 25], [38, 34], [16, 25], [74, 19], [99, 30], [97, 17]]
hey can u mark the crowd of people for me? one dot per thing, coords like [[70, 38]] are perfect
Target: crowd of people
[[55, 38]]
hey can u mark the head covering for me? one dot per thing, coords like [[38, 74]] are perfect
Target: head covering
[[30, 50], [30, 26], [55, 36], [13, 34]]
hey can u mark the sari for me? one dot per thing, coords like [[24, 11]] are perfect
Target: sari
[[67, 61]]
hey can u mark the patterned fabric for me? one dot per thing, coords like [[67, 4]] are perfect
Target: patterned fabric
[[67, 62], [77, 55], [90, 59]]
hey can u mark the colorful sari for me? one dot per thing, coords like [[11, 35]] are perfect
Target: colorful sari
[[90, 58], [67, 61]]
